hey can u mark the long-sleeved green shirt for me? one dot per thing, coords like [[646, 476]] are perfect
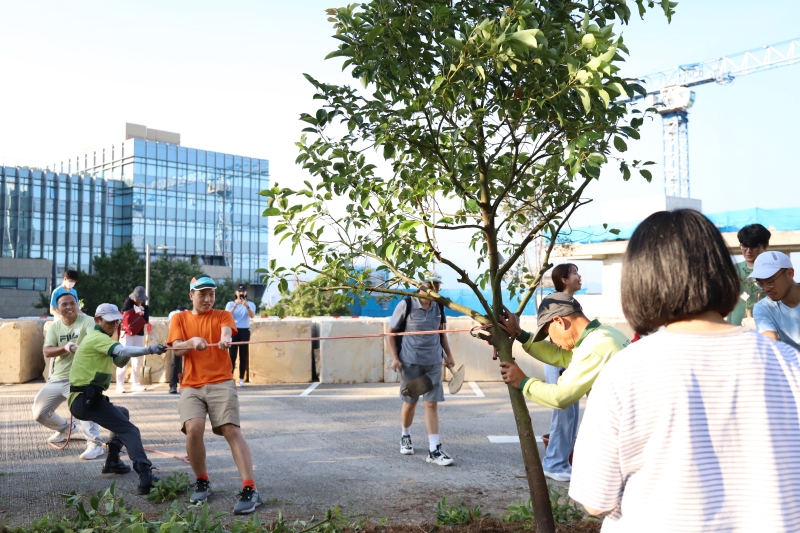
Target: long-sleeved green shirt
[[596, 345]]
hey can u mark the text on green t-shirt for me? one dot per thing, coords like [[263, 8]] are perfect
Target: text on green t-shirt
[[59, 334]]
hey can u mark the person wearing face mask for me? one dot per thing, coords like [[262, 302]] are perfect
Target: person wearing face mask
[[134, 325], [67, 286], [242, 311], [580, 345], [563, 422]]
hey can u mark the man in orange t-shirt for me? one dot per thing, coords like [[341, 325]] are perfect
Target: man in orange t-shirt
[[202, 337]]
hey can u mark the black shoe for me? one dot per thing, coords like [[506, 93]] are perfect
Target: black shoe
[[248, 501], [146, 478], [113, 464], [173, 389]]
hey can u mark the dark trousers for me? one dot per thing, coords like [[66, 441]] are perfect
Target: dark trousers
[[242, 335], [116, 419], [177, 368]]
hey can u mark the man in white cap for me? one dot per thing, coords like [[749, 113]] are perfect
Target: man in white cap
[[778, 315], [90, 376]]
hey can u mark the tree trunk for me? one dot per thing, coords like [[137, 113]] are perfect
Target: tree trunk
[[537, 485]]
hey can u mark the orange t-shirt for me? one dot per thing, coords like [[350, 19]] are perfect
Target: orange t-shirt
[[211, 365]]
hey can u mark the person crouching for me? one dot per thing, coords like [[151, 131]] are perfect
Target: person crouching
[[90, 376]]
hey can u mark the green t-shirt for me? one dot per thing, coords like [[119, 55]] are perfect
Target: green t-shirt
[[749, 286], [93, 363], [59, 334]]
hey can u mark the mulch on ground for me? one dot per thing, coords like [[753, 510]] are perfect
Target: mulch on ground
[[484, 526]]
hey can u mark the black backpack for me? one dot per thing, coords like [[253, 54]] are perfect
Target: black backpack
[[398, 340]]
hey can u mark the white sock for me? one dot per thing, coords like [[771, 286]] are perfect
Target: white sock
[[406, 432], [433, 442]]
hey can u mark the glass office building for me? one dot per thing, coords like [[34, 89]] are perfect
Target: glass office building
[[203, 205]]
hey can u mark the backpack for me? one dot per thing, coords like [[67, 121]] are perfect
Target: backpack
[[132, 322], [398, 340]]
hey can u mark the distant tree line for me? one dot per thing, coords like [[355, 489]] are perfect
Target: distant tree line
[[115, 275]]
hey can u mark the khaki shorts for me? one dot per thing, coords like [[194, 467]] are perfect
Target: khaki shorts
[[219, 401]]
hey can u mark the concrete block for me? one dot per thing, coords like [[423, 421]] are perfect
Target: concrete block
[[350, 360], [159, 365], [530, 365], [21, 344], [283, 362]]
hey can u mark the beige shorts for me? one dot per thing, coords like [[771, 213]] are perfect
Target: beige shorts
[[219, 401]]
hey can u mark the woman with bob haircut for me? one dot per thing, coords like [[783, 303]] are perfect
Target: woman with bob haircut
[[695, 427]]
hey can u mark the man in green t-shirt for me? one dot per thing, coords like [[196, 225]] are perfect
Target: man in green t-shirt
[[60, 344], [91, 375], [753, 241]]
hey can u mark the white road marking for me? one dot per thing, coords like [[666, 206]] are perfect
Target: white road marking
[[507, 439], [478, 392], [310, 389]]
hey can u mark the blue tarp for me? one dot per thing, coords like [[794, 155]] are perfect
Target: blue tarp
[[785, 219], [461, 296]]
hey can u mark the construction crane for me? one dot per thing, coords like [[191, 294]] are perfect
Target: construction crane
[[669, 92]]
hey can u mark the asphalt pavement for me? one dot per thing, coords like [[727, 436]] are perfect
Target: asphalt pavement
[[314, 446]]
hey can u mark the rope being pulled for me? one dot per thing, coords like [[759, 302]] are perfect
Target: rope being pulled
[[363, 336]]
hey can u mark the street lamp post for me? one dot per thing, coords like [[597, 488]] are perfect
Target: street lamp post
[[147, 265]]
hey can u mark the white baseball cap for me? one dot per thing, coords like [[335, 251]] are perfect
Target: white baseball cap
[[768, 263], [108, 312]]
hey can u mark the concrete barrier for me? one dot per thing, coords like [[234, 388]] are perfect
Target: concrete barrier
[[21, 356], [350, 360], [283, 362]]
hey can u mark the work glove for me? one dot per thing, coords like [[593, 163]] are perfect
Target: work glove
[[157, 349], [71, 347]]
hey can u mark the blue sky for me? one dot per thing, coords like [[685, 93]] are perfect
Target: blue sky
[[228, 77]]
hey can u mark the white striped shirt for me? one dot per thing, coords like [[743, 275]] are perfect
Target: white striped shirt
[[694, 432]]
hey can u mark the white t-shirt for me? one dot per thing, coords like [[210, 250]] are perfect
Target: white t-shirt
[[780, 318], [694, 432]]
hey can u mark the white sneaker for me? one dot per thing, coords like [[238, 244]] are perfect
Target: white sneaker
[[241, 383], [92, 451], [138, 388], [558, 476], [61, 436], [439, 457], [406, 448], [120, 388]]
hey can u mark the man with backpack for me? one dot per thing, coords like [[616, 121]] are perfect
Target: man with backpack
[[416, 355]]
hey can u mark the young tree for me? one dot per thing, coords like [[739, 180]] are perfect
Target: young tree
[[505, 109]]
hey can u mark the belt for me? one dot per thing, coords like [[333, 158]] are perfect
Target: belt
[[73, 388]]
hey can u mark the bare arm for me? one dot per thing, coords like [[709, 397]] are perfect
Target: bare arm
[[446, 347], [771, 334], [180, 347], [251, 312], [54, 351], [395, 364], [225, 338]]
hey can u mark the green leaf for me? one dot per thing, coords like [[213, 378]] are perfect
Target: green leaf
[[646, 174], [271, 212], [614, 231], [450, 41], [527, 37], [588, 41], [408, 224], [585, 99], [619, 144], [604, 96]]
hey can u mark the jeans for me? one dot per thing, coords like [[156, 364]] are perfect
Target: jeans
[[54, 393], [242, 335], [116, 419], [563, 429]]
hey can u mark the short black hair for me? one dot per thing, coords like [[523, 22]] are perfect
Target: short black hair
[[560, 272], [71, 274], [676, 266], [754, 235], [66, 294]]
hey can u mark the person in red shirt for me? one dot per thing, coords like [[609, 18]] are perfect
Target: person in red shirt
[[202, 337]]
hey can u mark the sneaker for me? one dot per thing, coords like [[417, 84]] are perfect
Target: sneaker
[[173, 389], [439, 457], [241, 383], [138, 388], [406, 448], [248, 501], [120, 388], [202, 488], [558, 476], [61, 436], [92, 451]]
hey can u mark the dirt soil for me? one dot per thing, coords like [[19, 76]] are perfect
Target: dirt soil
[[484, 526]]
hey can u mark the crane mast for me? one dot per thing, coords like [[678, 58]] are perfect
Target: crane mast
[[669, 92]]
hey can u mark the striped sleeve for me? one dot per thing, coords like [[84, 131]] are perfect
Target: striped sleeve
[[596, 475]]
